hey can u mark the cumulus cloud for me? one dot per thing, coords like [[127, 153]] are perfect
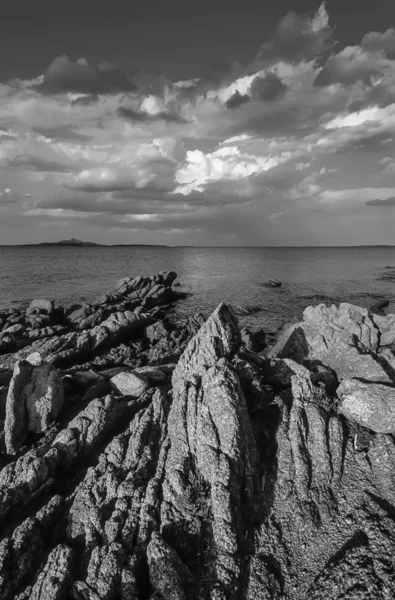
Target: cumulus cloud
[[65, 75], [293, 135], [227, 163]]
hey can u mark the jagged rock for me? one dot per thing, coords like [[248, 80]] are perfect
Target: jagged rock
[[129, 384], [253, 341], [155, 332], [73, 345], [82, 591], [16, 329], [369, 404], [54, 581], [34, 471], [168, 574], [244, 479], [210, 440], [34, 399]]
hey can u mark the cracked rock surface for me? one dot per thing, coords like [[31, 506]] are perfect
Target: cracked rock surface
[[185, 466]]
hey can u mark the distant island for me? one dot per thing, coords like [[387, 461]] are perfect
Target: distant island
[[71, 242], [79, 243]]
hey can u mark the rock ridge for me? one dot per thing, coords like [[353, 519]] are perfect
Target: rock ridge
[[148, 459]]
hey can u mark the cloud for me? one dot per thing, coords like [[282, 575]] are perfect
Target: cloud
[[28, 162], [62, 132], [349, 66], [226, 163], [384, 202], [64, 75], [237, 100], [298, 37], [375, 41], [10, 197], [267, 88], [251, 153], [138, 116]]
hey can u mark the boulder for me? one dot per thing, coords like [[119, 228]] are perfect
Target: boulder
[[129, 384], [371, 405], [344, 338], [42, 304]]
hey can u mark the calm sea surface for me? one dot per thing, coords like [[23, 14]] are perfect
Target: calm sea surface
[[210, 275]]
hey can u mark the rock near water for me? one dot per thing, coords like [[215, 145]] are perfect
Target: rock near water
[[221, 474]]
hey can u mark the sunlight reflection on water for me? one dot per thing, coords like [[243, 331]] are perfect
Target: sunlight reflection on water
[[210, 275]]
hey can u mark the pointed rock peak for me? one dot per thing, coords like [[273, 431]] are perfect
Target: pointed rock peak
[[219, 337]]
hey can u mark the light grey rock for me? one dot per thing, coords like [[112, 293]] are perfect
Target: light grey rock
[[129, 384], [369, 404], [343, 338], [34, 399], [42, 304]]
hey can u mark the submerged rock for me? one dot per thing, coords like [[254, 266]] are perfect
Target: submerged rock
[[272, 283]]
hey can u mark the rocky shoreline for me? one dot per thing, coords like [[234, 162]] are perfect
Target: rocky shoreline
[[143, 458]]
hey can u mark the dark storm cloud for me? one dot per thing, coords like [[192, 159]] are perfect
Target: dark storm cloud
[[375, 41], [137, 116], [85, 100], [265, 89], [378, 202], [27, 162], [268, 88], [297, 38], [64, 75], [237, 100]]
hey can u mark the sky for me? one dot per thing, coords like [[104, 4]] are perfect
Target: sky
[[217, 123]]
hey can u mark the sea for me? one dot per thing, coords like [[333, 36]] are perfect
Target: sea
[[69, 275]]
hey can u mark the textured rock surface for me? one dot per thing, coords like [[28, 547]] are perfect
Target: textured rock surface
[[344, 338], [370, 404], [35, 398], [129, 384], [233, 476]]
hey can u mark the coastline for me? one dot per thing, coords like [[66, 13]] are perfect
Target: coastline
[[214, 452]]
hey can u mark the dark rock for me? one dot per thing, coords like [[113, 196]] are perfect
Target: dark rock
[[378, 307], [156, 332], [246, 310], [272, 283]]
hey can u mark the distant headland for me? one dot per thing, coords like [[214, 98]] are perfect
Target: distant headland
[[75, 242]]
